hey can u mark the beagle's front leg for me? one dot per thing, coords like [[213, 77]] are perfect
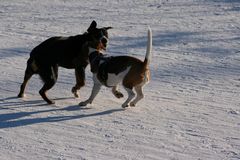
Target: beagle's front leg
[[96, 88]]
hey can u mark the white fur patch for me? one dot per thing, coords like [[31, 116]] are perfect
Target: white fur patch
[[114, 79], [91, 50], [101, 61], [95, 79]]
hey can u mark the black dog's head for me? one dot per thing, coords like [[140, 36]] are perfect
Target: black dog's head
[[98, 35]]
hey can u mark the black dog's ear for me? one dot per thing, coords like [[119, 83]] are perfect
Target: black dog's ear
[[92, 26], [107, 28]]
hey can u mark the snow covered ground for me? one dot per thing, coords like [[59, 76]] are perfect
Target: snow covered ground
[[191, 108]]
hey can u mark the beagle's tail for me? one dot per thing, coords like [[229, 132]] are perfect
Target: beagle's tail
[[149, 47]]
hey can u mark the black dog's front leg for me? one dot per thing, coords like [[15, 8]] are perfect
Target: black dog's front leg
[[80, 79]]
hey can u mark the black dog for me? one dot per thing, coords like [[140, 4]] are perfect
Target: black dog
[[67, 52]]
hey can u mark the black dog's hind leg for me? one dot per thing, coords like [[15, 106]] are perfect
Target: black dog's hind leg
[[49, 77], [80, 80], [28, 74]]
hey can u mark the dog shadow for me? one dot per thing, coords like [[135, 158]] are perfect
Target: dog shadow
[[22, 118], [76, 108], [6, 102]]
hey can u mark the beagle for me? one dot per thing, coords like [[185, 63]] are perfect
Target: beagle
[[111, 71]]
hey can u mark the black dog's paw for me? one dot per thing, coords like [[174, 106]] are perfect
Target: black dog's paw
[[74, 91], [84, 103], [76, 95], [20, 95], [50, 101]]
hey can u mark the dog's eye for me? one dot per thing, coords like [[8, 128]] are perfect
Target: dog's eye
[[100, 34], [105, 33]]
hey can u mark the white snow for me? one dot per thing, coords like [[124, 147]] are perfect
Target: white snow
[[191, 108]]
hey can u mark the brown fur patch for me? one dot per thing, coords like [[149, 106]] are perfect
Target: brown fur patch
[[138, 74], [34, 66]]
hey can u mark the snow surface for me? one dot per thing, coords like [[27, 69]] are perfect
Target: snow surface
[[191, 108]]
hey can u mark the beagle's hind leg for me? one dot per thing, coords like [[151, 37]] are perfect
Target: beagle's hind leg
[[131, 95], [139, 90]]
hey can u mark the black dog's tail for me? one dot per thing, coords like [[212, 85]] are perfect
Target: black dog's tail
[[32, 64]]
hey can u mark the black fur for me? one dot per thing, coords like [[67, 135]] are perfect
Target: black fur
[[67, 52]]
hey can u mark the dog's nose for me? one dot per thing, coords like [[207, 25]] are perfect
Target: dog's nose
[[104, 40]]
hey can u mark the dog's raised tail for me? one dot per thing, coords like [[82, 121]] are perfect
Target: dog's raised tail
[[149, 47]]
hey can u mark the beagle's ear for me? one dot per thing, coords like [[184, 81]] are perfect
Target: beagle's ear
[[107, 28], [92, 26]]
